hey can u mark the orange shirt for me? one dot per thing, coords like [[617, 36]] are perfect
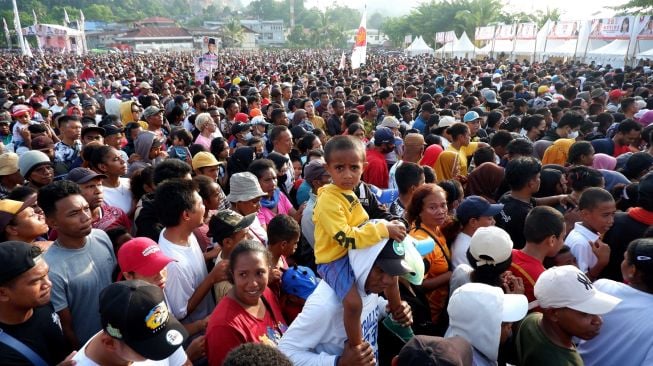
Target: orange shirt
[[438, 265]]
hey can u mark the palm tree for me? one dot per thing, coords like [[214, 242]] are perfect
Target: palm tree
[[233, 33], [477, 13]]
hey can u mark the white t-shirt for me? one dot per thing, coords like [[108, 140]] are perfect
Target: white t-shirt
[[579, 241], [459, 249], [176, 359], [184, 276], [120, 196], [626, 337]]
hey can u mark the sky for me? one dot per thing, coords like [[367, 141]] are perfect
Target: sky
[[570, 9]]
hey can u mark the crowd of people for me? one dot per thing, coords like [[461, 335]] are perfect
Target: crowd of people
[[277, 212]]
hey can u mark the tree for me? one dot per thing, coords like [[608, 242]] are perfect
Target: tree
[[375, 20], [233, 33], [644, 7], [477, 13], [99, 12]]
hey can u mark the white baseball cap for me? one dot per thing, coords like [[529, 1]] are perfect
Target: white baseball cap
[[471, 297], [490, 246], [446, 121], [569, 287]]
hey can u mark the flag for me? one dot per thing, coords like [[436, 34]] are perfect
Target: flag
[[19, 29], [35, 21], [66, 20], [359, 53], [7, 36], [28, 50], [343, 61], [83, 29]]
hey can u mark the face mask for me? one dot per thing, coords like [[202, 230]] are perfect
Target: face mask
[[74, 101], [259, 155], [573, 135], [185, 106], [248, 136]]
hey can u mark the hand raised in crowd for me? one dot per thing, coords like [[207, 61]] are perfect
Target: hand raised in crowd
[[361, 355], [196, 349], [219, 272], [403, 314], [396, 230], [601, 250], [512, 284]]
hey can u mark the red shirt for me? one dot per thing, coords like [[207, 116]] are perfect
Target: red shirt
[[620, 149], [529, 269], [376, 172], [230, 326]]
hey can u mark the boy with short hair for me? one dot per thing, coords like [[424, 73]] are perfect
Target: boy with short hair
[[341, 224], [544, 229], [474, 212], [597, 210], [570, 308], [227, 228], [408, 177], [283, 238]]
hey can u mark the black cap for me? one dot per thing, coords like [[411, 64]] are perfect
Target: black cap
[[136, 313], [392, 259], [83, 175], [16, 258], [93, 128], [110, 129]]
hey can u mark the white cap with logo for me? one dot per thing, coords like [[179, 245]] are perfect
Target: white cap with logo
[[569, 287]]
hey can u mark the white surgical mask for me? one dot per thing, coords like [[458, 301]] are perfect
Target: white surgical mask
[[74, 101], [185, 106], [573, 135], [248, 136]]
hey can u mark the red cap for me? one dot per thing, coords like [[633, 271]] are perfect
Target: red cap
[[242, 118], [142, 256], [616, 93]]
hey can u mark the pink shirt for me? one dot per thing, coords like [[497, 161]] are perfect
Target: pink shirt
[[283, 207]]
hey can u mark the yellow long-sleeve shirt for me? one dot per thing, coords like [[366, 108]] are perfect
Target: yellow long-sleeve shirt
[[341, 223]]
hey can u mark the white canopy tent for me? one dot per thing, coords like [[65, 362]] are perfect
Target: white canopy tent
[[646, 54], [418, 47], [459, 47], [613, 53]]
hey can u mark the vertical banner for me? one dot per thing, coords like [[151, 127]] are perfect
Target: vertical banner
[[563, 30], [359, 53], [205, 64], [505, 32], [608, 29], [484, 33], [645, 28], [526, 31]]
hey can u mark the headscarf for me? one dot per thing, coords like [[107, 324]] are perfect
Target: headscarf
[[444, 166], [484, 181], [604, 161], [431, 155], [558, 152]]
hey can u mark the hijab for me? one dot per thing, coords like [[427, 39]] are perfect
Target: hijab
[[604, 161], [485, 180], [445, 168], [431, 155]]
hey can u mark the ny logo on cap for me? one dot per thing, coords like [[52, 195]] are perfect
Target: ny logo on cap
[[584, 280]]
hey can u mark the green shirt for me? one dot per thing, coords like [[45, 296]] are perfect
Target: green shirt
[[535, 349]]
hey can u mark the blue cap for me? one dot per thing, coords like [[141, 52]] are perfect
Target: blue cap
[[471, 116], [476, 206], [383, 135], [299, 281]]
